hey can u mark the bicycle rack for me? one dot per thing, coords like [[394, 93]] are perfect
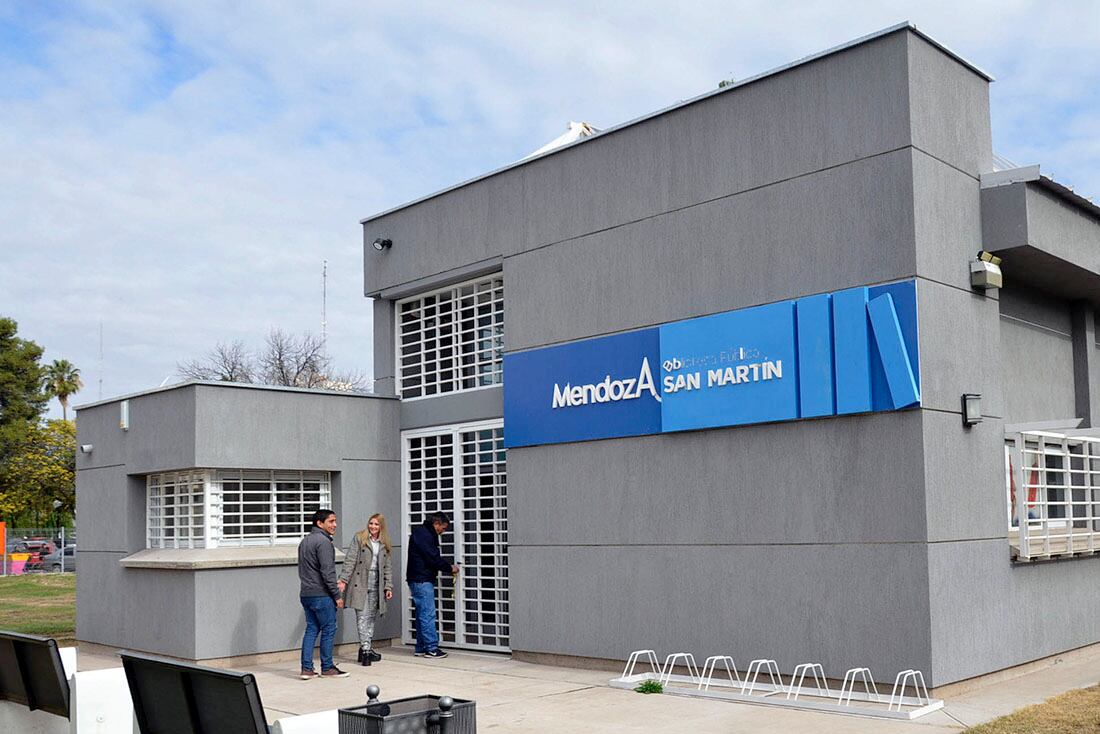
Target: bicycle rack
[[762, 685], [754, 669], [903, 679], [670, 663], [848, 687], [800, 671], [651, 658], [712, 664]]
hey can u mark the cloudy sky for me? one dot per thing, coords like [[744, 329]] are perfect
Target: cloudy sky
[[178, 171]]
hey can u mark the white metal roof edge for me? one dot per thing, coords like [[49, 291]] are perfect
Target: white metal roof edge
[[222, 383], [905, 25]]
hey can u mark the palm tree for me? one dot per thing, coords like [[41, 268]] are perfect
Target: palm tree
[[62, 380]]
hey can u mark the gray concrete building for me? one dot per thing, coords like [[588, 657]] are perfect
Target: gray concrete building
[[887, 536], [191, 502]]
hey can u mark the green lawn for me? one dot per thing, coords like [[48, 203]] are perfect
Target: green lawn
[[40, 604], [1068, 713]]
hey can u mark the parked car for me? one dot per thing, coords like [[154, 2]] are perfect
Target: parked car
[[34, 546], [38, 548], [53, 561]]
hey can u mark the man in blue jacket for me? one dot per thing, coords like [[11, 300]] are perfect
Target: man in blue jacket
[[424, 562]]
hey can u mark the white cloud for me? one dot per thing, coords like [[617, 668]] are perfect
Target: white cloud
[[180, 170]]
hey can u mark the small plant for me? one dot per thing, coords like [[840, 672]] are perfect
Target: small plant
[[650, 686]]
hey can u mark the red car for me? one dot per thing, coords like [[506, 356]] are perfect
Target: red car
[[39, 548]]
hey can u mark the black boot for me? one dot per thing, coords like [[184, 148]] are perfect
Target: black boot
[[373, 656], [359, 658], [364, 657]]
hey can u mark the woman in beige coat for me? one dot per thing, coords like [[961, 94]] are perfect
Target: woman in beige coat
[[366, 581]]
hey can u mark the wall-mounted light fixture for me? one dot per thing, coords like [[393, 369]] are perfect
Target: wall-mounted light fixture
[[124, 415], [985, 271], [86, 448], [972, 409], [382, 244]]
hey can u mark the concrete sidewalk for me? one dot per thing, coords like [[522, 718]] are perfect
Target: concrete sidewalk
[[518, 697]]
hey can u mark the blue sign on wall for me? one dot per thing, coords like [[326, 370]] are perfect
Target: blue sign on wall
[[853, 351]]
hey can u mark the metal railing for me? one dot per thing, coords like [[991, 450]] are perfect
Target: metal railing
[[1053, 483]]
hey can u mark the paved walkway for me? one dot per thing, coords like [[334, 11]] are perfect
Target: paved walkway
[[520, 698]]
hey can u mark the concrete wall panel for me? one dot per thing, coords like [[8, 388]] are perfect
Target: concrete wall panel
[[959, 348], [1038, 373], [847, 106], [268, 429], [1094, 376], [138, 609], [946, 214], [1036, 307], [1064, 231], [258, 610], [841, 605], [988, 614], [111, 510], [463, 226], [369, 487], [161, 434], [949, 105], [835, 480], [384, 364], [1004, 219], [964, 478], [476, 405], [791, 239]]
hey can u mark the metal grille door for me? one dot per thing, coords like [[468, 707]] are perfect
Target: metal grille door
[[461, 470]]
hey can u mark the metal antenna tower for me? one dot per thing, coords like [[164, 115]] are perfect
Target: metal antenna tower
[[324, 301], [100, 396]]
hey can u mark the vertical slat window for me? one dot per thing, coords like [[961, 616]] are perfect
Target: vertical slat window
[[451, 340], [208, 509], [430, 467], [267, 507], [462, 471], [484, 530], [176, 510]]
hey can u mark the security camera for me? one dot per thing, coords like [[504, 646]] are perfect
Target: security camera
[[985, 271], [86, 448]]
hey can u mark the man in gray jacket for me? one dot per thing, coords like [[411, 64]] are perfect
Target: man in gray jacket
[[319, 594]]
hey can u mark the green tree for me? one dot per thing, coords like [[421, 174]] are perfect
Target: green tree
[[22, 398], [62, 380], [40, 470]]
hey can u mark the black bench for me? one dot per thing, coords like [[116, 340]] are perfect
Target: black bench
[[171, 697], [31, 673]]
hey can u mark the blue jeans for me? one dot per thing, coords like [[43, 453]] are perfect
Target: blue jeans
[[320, 617], [423, 596]]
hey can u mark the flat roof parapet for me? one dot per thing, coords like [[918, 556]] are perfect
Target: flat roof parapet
[[241, 385], [906, 25]]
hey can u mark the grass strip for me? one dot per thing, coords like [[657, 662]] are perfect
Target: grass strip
[[40, 604], [1067, 713]]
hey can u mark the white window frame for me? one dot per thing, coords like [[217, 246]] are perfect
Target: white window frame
[[273, 478], [213, 507], [1077, 530], [155, 504], [496, 363]]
